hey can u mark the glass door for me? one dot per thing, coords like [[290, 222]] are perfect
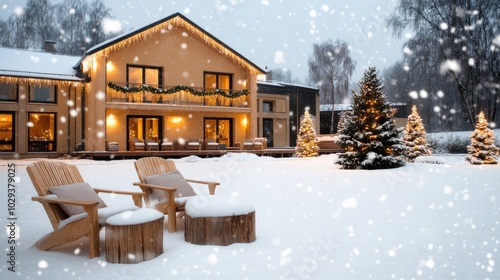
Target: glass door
[[144, 128], [220, 130]]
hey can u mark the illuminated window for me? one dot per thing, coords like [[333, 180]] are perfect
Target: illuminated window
[[215, 81], [144, 75], [42, 127], [8, 92], [43, 94], [7, 131]]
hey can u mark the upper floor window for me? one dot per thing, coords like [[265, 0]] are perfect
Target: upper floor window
[[267, 106], [43, 94], [215, 81], [144, 75], [8, 92]]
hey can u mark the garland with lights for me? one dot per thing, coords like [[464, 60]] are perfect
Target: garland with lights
[[177, 89]]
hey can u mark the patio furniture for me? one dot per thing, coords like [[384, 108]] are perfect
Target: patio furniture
[[248, 144], [211, 144], [151, 145], [137, 145], [111, 146], [216, 220], [74, 208], [164, 187], [167, 145], [194, 144], [134, 236]]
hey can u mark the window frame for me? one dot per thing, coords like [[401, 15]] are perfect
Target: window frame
[[12, 141], [217, 86], [39, 145], [143, 78], [16, 98], [32, 91]]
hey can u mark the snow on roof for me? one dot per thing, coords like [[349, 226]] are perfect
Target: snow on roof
[[37, 64], [337, 107]]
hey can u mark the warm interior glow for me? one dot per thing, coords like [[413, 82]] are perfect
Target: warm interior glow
[[109, 66], [176, 119], [245, 121], [110, 121]]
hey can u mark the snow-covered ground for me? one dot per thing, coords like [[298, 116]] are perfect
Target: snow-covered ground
[[313, 221]]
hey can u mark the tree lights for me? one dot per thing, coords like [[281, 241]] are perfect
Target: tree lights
[[482, 149]]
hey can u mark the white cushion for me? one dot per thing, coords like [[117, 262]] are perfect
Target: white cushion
[[81, 191], [172, 179]]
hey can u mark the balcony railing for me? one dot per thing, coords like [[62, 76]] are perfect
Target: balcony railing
[[175, 95]]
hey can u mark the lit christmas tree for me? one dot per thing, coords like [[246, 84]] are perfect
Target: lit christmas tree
[[415, 138], [370, 139], [307, 142], [482, 149], [342, 121]]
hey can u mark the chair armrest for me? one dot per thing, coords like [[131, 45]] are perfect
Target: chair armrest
[[211, 185], [136, 196], [144, 185], [79, 202]]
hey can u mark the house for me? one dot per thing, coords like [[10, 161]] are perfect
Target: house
[[280, 109], [168, 82]]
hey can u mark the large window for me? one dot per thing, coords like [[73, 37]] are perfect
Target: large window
[[43, 94], [8, 92], [144, 75], [7, 131], [214, 81], [42, 128], [144, 128], [219, 130]]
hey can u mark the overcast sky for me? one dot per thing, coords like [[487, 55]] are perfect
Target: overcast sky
[[273, 33]]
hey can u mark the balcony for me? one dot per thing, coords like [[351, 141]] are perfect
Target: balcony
[[175, 95]]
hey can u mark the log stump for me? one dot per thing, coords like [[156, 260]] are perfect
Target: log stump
[[212, 220], [134, 236]]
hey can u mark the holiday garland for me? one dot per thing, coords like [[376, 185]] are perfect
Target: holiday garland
[[177, 89]]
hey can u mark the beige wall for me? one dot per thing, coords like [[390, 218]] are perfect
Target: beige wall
[[280, 116], [67, 134]]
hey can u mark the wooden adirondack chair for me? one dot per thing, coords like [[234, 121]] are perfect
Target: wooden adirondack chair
[[47, 175], [149, 167]]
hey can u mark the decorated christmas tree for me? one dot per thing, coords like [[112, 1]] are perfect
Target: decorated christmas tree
[[307, 142], [482, 149], [415, 138], [370, 139], [342, 120]]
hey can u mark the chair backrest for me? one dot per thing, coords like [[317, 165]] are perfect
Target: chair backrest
[[47, 174], [148, 166]]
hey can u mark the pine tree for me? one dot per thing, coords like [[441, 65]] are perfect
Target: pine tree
[[342, 120], [415, 138], [370, 139], [482, 149], [307, 142]]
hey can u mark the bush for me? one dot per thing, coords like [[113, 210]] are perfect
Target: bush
[[451, 144]]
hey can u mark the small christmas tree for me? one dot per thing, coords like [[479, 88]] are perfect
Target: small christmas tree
[[482, 149], [415, 138], [370, 139], [307, 142], [342, 120]]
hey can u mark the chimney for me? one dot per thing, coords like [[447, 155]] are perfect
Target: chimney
[[49, 46]]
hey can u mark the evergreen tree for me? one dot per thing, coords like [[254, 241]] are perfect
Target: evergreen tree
[[482, 149], [307, 142], [370, 139], [415, 138], [342, 120]]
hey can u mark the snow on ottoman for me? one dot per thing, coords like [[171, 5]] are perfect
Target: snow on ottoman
[[215, 220], [134, 236]]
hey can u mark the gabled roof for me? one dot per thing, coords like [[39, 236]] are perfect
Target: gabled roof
[[176, 19], [26, 64]]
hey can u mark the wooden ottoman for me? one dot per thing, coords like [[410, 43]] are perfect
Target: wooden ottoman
[[214, 220], [134, 236]]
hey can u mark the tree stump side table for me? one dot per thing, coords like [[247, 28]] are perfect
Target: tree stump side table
[[213, 220], [134, 236]]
